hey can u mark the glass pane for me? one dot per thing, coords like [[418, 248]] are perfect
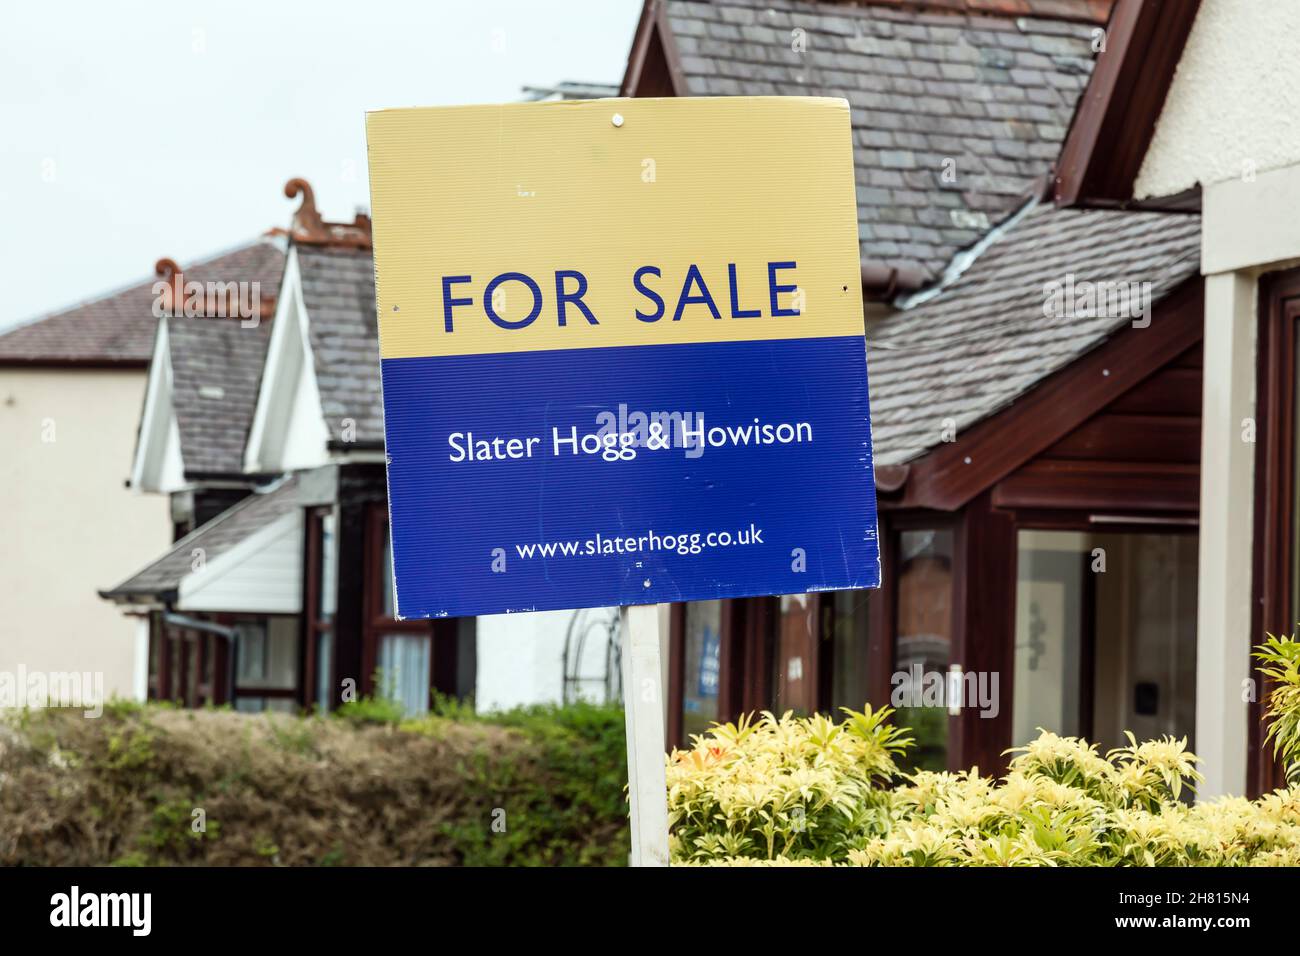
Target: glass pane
[[849, 686], [922, 649], [267, 653], [1050, 581], [251, 651], [177, 648], [794, 685], [324, 670], [703, 646], [404, 670], [208, 646], [329, 567], [1145, 638], [1105, 636], [191, 671], [282, 652], [156, 638]]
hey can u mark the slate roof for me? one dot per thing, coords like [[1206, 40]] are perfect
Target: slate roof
[[163, 577], [338, 290], [985, 340], [216, 369], [990, 97], [118, 329]]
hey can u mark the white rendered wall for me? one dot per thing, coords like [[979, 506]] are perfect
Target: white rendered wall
[[1234, 106], [521, 658]]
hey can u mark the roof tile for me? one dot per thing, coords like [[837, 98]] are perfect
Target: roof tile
[[120, 328], [1005, 88]]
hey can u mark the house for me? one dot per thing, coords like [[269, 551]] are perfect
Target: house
[[279, 594], [71, 388], [1039, 370], [1191, 107]]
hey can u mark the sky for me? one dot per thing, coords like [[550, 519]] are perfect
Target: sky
[[136, 130]]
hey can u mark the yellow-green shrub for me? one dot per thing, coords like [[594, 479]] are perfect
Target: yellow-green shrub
[[809, 790], [793, 787], [1280, 660]]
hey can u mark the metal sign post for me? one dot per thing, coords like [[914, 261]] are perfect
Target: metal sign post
[[643, 710]]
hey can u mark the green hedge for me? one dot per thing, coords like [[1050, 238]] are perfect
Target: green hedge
[[156, 785]]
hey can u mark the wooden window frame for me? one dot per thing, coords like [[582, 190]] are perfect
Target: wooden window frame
[[313, 627], [377, 624]]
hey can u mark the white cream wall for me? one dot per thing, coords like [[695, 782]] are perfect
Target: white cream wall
[[521, 658], [1234, 104], [68, 524]]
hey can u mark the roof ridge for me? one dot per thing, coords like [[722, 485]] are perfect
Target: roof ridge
[[263, 238], [1096, 12]]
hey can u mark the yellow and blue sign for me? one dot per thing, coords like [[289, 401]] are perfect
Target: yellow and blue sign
[[622, 352]]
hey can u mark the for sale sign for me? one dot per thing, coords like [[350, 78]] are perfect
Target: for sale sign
[[623, 354]]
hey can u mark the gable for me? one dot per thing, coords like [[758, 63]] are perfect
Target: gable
[[288, 430], [338, 296], [216, 367], [1140, 452], [260, 575], [978, 458], [158, 465]]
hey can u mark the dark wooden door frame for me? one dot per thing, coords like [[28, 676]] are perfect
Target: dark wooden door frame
[[1275, 518], [984, 630]]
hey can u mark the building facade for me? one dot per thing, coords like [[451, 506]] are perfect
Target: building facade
[[1066, 279], [71, 388]]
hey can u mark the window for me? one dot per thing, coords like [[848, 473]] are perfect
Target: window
[[702, 661], [266, 664], [408, 660], [267, 653], [320, 602], [1105, 635], [850, 684], [405, 662], [922, 646], [793, 680], [1052, 578], [157, 666], [329, 567]]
